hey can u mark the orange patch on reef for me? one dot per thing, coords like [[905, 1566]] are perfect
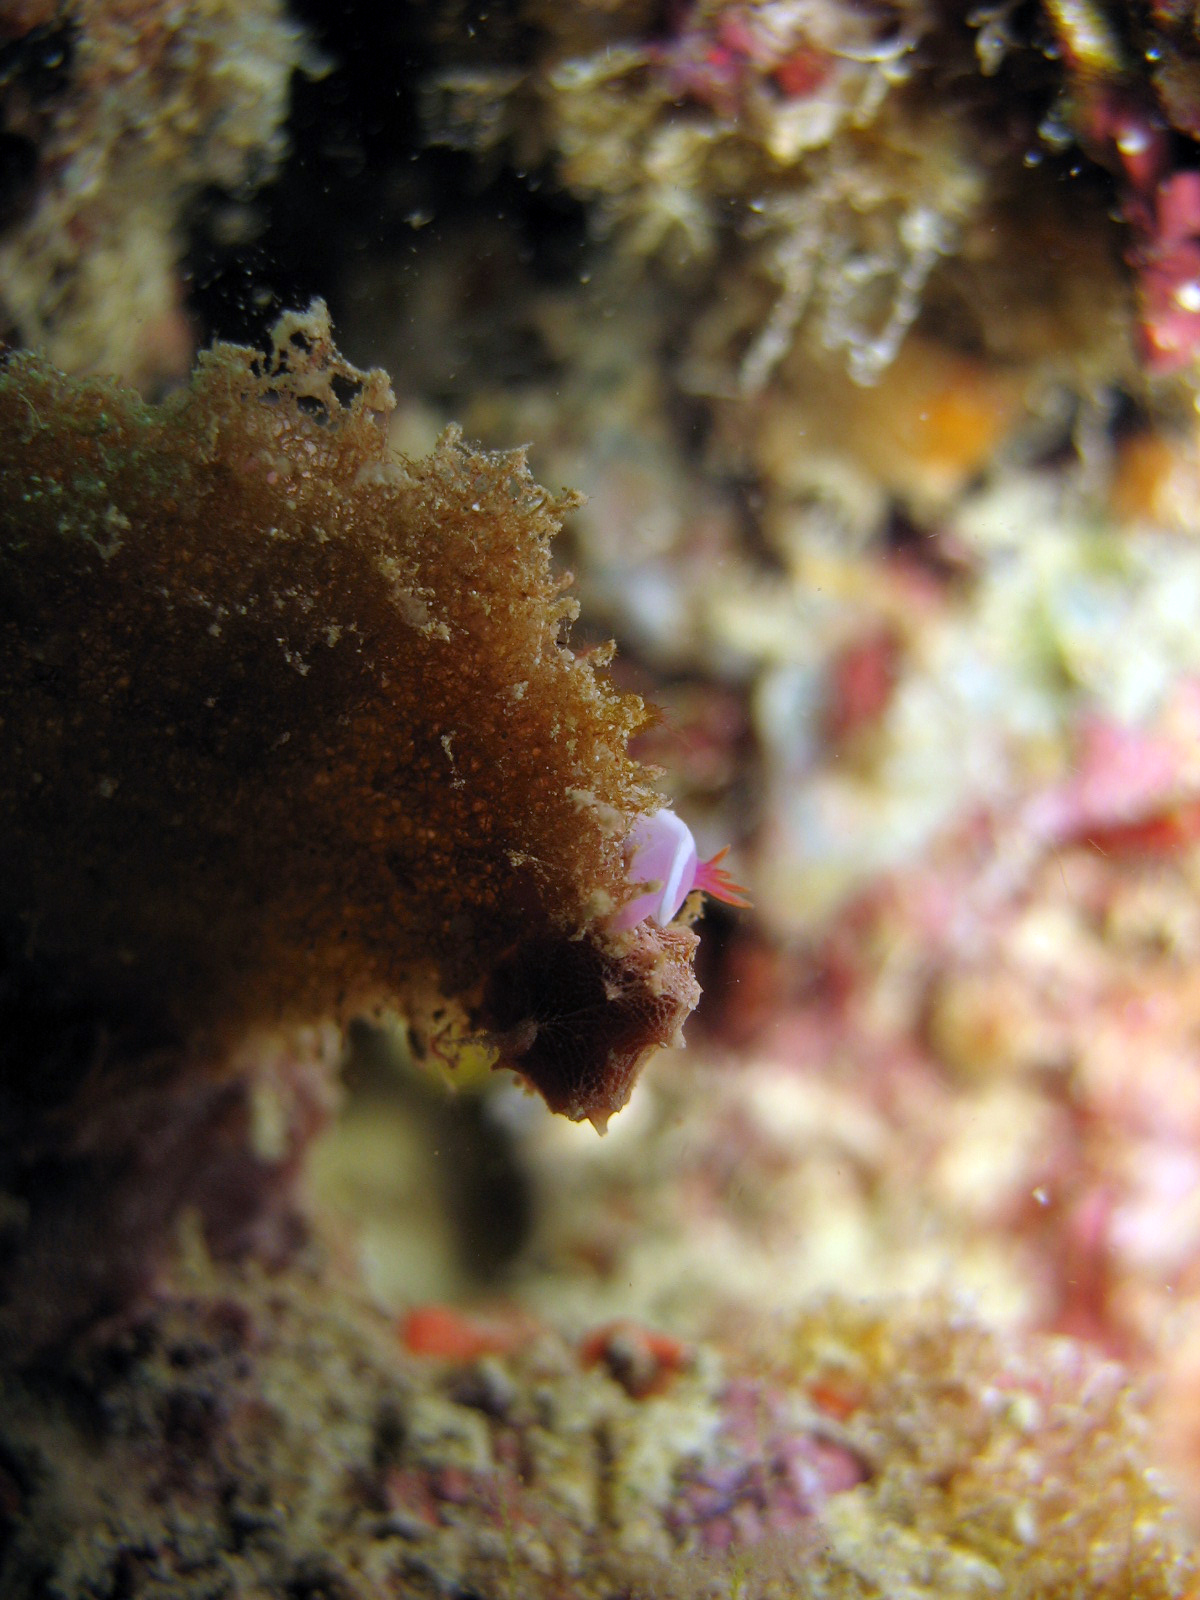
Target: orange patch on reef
[[1164, 833], [444, 1334], [834, 1400], [642, 1362]]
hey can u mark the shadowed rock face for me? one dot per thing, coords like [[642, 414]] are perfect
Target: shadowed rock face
[[288, 731], [575, 1014]]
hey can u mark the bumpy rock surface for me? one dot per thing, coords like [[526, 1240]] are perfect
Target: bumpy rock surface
[[253, 1437], [114, 116]]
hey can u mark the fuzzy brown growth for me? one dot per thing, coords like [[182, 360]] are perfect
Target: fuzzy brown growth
[[288, 731]]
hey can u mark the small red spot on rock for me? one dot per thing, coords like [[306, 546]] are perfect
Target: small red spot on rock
[[454, 1485], [641, 1361], [833, 1399], [1164, 833], [860, 685], [803, 71], [444, 1334]]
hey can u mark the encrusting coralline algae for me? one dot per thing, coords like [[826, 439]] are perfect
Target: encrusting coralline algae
[[268, 1436]]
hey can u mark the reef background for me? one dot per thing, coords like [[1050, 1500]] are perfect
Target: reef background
[[871, 334]]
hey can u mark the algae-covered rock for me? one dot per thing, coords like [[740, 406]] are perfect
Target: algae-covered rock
[[115, 117], [289, 731], [265, 1438]]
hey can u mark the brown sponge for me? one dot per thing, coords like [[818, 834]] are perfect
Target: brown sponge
[[289, 730]]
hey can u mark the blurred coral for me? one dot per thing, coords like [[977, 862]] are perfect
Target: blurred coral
[[115, 116]]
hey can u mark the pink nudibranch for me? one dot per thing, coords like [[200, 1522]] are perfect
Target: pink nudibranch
[[661, 852]]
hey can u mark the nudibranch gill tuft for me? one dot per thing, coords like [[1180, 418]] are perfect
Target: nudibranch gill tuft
[[660, 851]]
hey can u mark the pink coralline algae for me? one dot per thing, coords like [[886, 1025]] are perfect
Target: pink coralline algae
[[1162, 208], [1167, 258], [763, 1474], [1126, 130], [718, 59]]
